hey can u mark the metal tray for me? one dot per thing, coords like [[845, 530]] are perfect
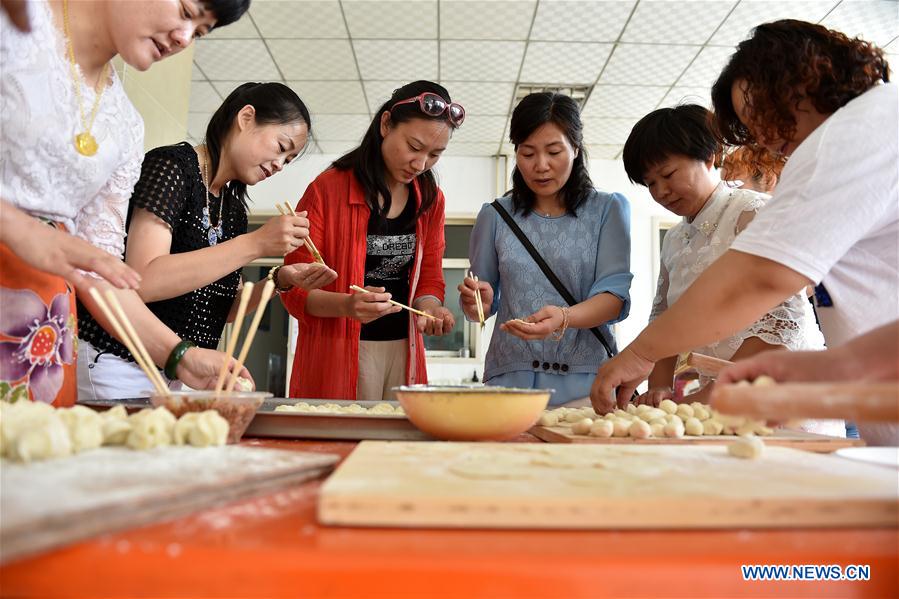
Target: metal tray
[[317, 425], [307, 425]]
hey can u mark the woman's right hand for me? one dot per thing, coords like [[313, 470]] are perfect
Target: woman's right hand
[[467, 291], [199, 368], [366, 307], [281, 235], [654, 396]]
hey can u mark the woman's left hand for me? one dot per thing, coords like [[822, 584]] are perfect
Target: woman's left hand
[[443, 325], [541, 324], [307, 276]]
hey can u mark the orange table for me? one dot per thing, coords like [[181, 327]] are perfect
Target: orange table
[[272, 546]]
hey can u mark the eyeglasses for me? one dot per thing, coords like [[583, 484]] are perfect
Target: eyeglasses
[[433, 105]]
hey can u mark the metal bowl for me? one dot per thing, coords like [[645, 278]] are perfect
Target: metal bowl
[[472, 413]]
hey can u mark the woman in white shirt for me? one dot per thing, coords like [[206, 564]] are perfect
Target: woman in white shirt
[[70, 153], [672, 152], [824, 100]]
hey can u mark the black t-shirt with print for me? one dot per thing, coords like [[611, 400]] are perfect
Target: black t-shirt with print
[[388, 262]]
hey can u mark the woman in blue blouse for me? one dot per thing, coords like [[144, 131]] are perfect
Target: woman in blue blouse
[[584, 237]]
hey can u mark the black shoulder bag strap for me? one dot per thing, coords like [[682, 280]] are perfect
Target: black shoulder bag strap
[[560, 287]]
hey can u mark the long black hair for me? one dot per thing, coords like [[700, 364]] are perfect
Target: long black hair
[[367, 162], [227, 11], [275, 104], [534, 111]]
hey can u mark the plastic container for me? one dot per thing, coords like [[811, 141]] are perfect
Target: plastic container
[[237, 407], [472, 413]]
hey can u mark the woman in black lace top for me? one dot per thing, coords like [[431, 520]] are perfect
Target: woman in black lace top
[[187, 231]]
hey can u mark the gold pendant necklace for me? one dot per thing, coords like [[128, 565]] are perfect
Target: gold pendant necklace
[[85, 143]]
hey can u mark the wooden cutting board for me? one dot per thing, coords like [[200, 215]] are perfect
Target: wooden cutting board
[[780, 438], [53, 503], [526, 485]]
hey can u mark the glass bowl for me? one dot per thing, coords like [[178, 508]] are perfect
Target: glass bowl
[[472, 413], [237, 407]]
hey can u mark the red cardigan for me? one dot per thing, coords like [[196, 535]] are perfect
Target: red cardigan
[[326, 363]]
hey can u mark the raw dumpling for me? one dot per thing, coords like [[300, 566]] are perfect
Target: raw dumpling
[[243, 384], [151, 428], [33, 431], [201, 429], [750, 448], [85, 427]]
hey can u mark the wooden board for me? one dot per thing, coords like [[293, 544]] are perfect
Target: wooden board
[[524, 485], [780, 438], [53, 503]]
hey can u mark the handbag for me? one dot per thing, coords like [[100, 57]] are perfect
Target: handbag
[[560, 287]]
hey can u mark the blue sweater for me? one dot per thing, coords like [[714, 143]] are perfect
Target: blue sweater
[[590, 253]]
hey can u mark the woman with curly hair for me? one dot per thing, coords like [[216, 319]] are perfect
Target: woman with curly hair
[[584, 237], [823, 100], [754, 167]]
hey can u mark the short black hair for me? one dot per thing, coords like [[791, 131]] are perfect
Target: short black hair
[[684, 130]]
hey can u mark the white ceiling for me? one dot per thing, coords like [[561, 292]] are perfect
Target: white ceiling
[[344, 57]]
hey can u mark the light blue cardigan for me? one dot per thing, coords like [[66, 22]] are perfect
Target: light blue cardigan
[[590, 253]]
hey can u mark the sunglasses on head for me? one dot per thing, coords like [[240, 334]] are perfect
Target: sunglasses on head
[[433, 105]]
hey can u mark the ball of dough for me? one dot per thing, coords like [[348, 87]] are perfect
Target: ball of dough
[[693, 427], [573, 416], [621, 427], [675, 428], [712, 427], [243, 384], [701, 412], [668, 406], [639, 429], [602, 428], [548, 419], [764, 381], [582, 427], [84, 425], [659, 421], [657, 429], [685, 411], [631, 408], [749, 448]]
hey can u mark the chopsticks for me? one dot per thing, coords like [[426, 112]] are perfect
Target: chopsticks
[[309, 244], [245, 294], [122, 326], [404, 306], [477, 300], [266, 295]]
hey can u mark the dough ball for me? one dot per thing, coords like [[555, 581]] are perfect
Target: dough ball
[[639, 429], [701, 412], [764, 381], [657, 429], [749, 448], [631, 408], [602, 428], [685, 411], [659, 421], [621, 428], [712, 427], [573, 416], [668, 406], [674, 429], [548, 419], [85, 427], [582, 427], [693, 427]]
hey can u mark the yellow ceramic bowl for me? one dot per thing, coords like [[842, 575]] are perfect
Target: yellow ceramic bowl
[[472, 413]]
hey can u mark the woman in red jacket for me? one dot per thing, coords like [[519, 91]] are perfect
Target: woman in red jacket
[[376, 215]]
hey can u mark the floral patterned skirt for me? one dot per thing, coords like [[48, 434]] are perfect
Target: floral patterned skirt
[[38, 333]]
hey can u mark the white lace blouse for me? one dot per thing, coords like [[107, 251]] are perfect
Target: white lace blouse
[[40, 170], [690, 247]]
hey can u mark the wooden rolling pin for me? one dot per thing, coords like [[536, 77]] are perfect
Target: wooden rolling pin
[[858, 402]]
